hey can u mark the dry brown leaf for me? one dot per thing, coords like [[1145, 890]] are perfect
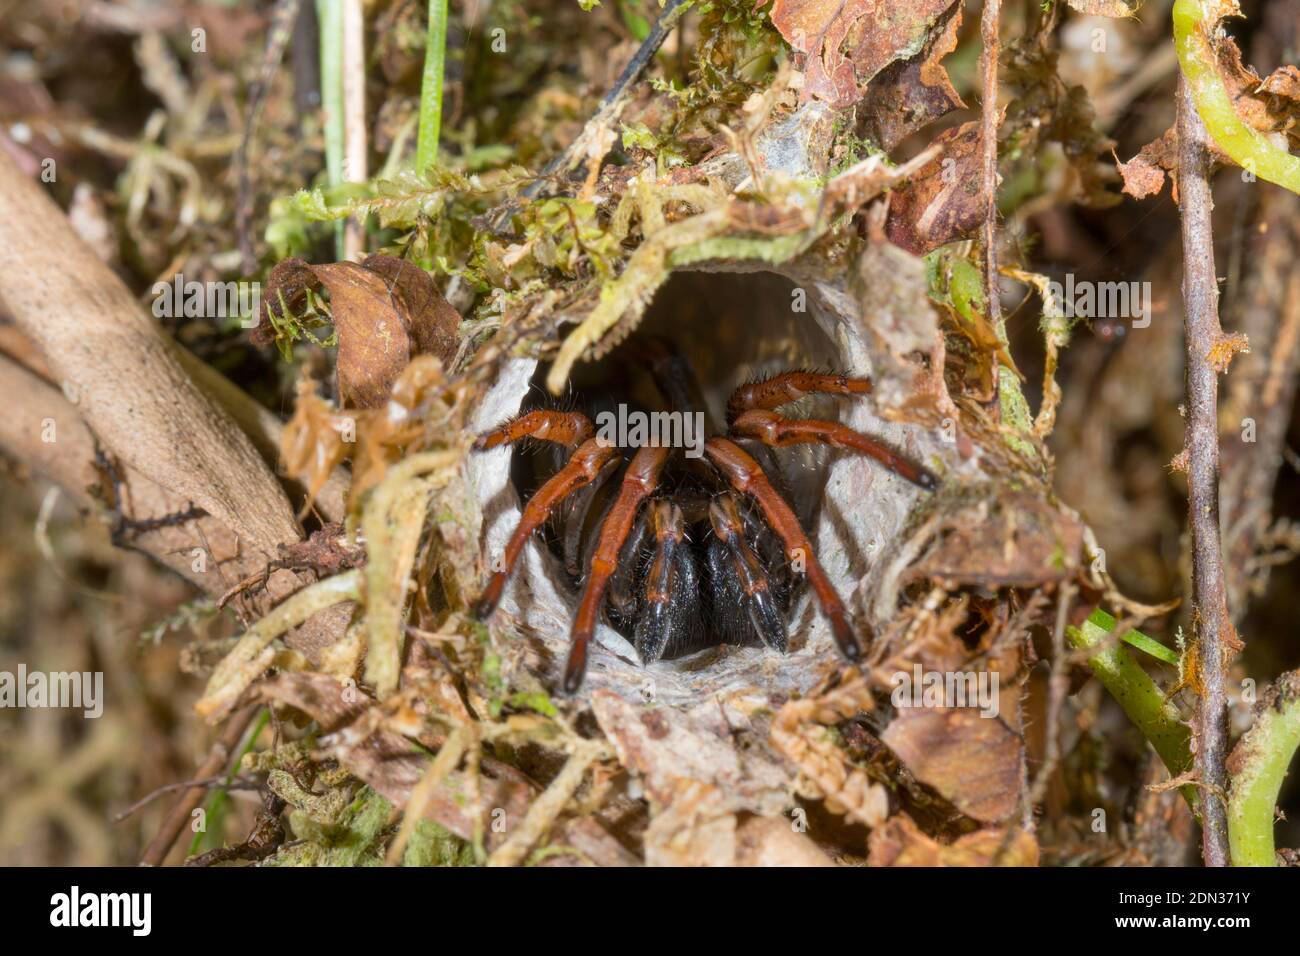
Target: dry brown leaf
[[847, 42], [386, 311], [313, 442], [1016, 539], [322, 698], [1144, 174], [901, 843], [974, 762], [907, 95], [944, 200]]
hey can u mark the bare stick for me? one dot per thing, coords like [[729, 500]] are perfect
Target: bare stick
[[989, 21], [161, 844], [283, 17], [606, 113], [1209, 597]]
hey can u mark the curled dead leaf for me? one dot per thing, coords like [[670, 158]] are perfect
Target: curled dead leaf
[[1015, 538], [847, 42], [386, 311], [974, 762], [943, 201], [908, 95]]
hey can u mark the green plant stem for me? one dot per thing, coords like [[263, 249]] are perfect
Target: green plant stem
[[1135, 638], [435, 62], [330, 15], [1259, 765], [1194, 20], [1143, 702]]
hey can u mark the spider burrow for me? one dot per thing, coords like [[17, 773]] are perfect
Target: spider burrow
[[686, 553]]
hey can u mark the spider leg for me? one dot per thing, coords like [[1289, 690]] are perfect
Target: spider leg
[[748, 478], [583, 467], [622, 584], [668, 618], [641, 478], [565, 428], [575, 521], [781, 389], [776, 430], [738, 573]]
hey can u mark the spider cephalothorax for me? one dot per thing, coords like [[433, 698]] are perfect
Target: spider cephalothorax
[[686, 553]]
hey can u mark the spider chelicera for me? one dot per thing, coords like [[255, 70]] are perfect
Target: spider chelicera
[[686, 553]]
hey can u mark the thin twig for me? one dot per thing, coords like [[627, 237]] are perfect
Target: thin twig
[[238, 783], [179, 814], [989, 22], [1058, 685], [283, 17], [607, 113], [1209, 596]]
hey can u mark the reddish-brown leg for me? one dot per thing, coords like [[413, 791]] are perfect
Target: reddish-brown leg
[[773, 429], [641, 478], [747, 477], [585, 464], [787, 387], [564, 428]]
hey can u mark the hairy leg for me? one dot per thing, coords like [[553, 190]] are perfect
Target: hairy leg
[[581, 469], [775, 430], [748, 478], [622, 583], [570, 429], [574, 516], [781, 389], [640, 480]]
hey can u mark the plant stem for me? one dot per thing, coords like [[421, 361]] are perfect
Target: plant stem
[[1210, 622], [355, 139], [989, 22], [1260, 764], [1135, 639], [1193, 23], [330, 14], [435, 64], [1143, 702]]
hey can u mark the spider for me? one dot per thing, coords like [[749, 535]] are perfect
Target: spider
[[686, 553]]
